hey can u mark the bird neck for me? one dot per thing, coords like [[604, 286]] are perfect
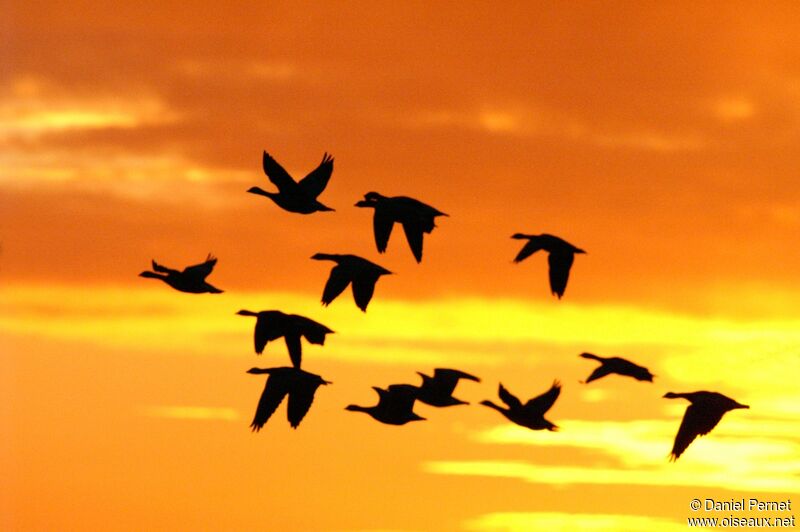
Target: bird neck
[[262, 192], [496, 407], [153, 275]]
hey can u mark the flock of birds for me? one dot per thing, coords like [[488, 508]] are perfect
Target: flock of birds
[[395, 404]]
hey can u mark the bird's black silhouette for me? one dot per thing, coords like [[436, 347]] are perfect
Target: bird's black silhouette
[[299, 385], [531, 414], [296, 196], [415, 217], [438, 390], [395, 405], [192, 279], [561, 254], [272, 324], [617, 365], [362, 273], [701, 416]]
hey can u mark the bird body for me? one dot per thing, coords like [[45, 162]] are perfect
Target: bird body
[[531, 414], [299, 385], [191, 280], [395, 405], [620, 366], [561, 255], [702, 415], [351, 270], [296, 196], [416, 218], [273, 324], [438, 390]]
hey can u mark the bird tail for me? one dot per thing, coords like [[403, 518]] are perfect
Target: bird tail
[[316, 336]]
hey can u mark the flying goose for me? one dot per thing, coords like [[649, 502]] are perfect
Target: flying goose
[[701, 416], [299, 385], [617, 365], [192, 279], [350, 269], [296, 196], [272, 324], [395, 405], [438, 390], [531, 414], [415, 217], [560, 258]]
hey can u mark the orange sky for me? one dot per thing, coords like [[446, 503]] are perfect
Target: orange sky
[[660, 138]]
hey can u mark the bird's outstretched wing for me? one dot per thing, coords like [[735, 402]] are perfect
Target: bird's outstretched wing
[[261, 334], [398, 397], [531, 246], [276, 173], [697, 421], [382, 226], [414, 233], [162, 269], [275, 390], [508, 398], [315, 182], [294, 347], [560, 264], [336, 284], [300, 398], [447, 379], [201, 271], [362, 292], [599, 372], [542, 403]]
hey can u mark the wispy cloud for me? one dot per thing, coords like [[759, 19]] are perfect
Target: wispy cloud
[[29, 108], [122, 315], [761, 455], [733, 108], [542, 122], [554, 521], [191, 412]]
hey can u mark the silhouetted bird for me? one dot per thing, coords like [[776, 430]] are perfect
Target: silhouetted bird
[[531, 414], [296, 196], [192, 279], [701, 416], [299, 385], [351, 269], [617, 365], [416, 218], [438, 390], [395, 405], [272, 324], [561, 255]]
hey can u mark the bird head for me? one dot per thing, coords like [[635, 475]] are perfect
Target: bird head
[[371, 199], [260, 191]]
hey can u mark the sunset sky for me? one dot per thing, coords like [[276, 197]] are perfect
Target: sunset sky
[[660, 137]]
